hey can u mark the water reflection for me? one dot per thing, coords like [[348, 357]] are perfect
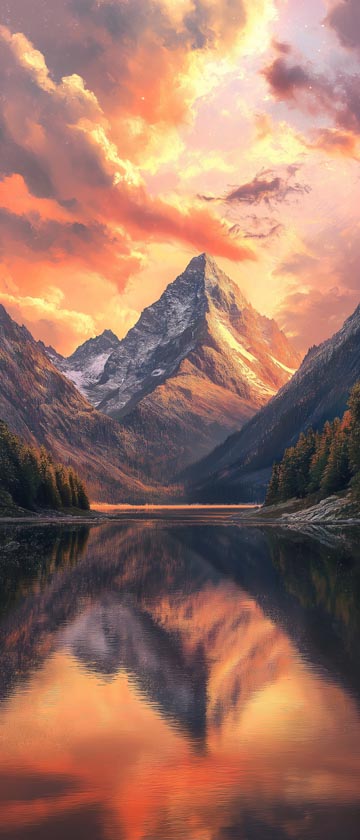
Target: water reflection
[[163, 681]]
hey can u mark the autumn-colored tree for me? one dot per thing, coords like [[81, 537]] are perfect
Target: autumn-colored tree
[[321, 463], [320, 458], [337, 472], [354, 438]]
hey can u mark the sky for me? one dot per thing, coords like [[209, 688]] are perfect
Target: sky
[[135, 134]]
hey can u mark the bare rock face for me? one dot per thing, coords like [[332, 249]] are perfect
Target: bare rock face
[[198, 364]]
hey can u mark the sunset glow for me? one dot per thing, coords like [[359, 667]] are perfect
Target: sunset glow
[[135, 135]]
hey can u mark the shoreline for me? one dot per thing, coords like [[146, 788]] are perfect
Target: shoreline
[[334, 511], [203, 514]]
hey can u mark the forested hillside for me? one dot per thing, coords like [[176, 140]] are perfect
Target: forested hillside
[[30, 479], [321, 463]]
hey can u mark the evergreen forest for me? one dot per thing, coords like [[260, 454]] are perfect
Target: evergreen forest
[[30, 479]]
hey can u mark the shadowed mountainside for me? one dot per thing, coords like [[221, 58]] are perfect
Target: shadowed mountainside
[[40, 405], [239, 469]]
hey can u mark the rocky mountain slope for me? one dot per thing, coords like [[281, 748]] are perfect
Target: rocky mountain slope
[[42, 406], [196, 366], [240, 468], [87, 363]]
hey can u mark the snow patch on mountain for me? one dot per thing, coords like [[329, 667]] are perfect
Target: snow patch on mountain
[[86, 364], [289, 370], [232, 342]]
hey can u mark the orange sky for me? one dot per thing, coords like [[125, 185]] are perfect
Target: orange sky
[[135, 134]]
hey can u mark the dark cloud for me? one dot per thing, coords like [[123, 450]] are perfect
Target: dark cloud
[[201, 23], [29, 234], [281, 47], [50, 237], [16, 159], [271, 189], [260, 189], [271, 232], [127, 22], [66, 156], [338, 97], [286, 79], [260, 227], [344, 18], [267, 187]]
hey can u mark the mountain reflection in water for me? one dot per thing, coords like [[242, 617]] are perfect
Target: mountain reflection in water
[[163, 680]]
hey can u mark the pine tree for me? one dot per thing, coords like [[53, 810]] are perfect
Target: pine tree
[[63, 485], [304, 452], [73, 487], [337, 472], [30, 478], [354, 437], [8, 462], [273, 492], [288, 476], [320, 458], [48, 493], [83, 499]]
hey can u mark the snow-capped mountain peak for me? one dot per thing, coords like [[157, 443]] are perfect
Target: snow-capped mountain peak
[[198, 363], [202, 312]]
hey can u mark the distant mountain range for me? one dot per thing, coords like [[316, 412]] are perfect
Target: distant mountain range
[[197, 365], [239, 469], [137, 417]]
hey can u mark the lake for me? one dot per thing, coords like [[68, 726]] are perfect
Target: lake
[[179, 677]]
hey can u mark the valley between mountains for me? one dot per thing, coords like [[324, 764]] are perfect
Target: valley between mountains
[[195, 402]]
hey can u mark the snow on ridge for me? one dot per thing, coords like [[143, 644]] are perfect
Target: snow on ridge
[[233, 342], [282, 366]]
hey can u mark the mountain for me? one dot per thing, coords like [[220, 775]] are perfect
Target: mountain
[[240, 468], [197, 365], [42, 406], [87, 363]]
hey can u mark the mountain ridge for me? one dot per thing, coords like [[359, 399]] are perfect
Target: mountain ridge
[[317, 392], [42, 406]]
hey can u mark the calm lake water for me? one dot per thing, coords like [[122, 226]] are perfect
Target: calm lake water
[[179, 679]]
